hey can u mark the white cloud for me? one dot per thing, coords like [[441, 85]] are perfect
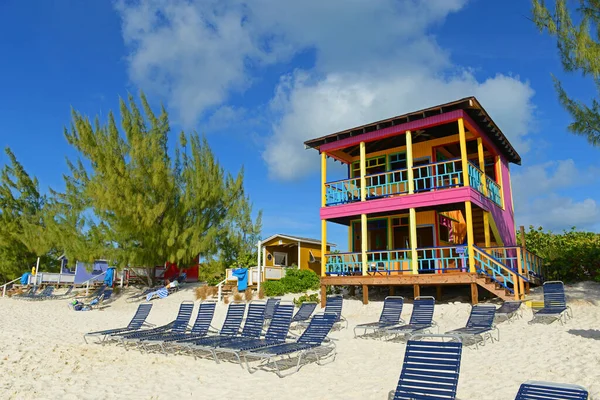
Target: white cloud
[[373, 59], [539, 200]]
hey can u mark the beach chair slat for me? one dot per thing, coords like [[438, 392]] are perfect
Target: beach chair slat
[[272, 303], [280, 324], [233, 319], [304, 312], [551, 391], [430, 369]]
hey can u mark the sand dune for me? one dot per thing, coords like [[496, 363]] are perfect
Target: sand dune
[[43, 356]]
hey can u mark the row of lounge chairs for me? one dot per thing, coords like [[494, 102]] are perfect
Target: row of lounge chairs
[[431, 370], [249, 345], [46, 294]]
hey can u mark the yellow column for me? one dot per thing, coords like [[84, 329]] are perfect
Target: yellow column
[[470, 237], [363, 172], [323, 179], [500, 183], [323, 222], [363, 243], [521, 271], [412, 226], [463, 151], [486, 228], [323, 246], [390, 234], [409, 163], [481, 164]]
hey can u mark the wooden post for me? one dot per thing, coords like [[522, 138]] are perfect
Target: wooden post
[[470, 236], [438, 292], [392, 291], [486, 228], [463, 152], [364, 243], [323, 179], [516, 286], [523, 241], [481, 165], [363, 172], [412, 226], [323, 296], [417, 290], [352, 290], [521, 271], [365, 290], [474, 294], [499, 180], [409, 163]]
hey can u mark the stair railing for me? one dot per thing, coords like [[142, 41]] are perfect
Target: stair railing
[[499, 273], [6, 284], [220, 287]]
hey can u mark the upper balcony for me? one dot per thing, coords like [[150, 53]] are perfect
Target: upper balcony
[[429, 177]]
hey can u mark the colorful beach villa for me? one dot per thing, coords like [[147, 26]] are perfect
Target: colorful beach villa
[[427, 202]]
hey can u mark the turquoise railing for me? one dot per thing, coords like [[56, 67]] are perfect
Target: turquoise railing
[[475, 175], [438, 175], [445, 258], [387, 183], [343, 264], [493, 191], [389, 261], [493, 269], [342, 191], [532, 263], [506, 255]]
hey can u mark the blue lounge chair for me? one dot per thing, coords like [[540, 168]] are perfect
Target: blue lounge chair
[[45, 294], [311, 342], [555, 304], [30, 292], [64, 295], [230, 328], [536, 390], [200, 329], [508, 311], [253, 326], [430, 369], [180, 324], [480, 325], [333, 305], [136, 323], [304, 312], [421, 319], [276, 334], [390, 316], [272, 303]]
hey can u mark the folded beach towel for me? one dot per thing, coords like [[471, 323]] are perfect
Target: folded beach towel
[[160, 293], [242, 277]]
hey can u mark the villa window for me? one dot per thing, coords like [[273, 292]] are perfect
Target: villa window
[[280, 258]]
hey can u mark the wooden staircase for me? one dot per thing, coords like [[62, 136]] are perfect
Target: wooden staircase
[[494, 288]]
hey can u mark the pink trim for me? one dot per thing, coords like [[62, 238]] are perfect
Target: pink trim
[[427, 199], [394, 130]]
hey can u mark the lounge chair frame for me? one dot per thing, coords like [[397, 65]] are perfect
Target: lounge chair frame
[[555, 305], [509, 311], [480, 326], [313, 342], [540, 390], [390, 316], [420, 323]]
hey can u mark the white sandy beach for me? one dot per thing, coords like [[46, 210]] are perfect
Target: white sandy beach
[[43, 356]]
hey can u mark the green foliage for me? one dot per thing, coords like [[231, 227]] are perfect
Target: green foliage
[[306, 298], [294, 281], [569, 256], [274, 288], [579, 49], [144, 205], [214, 281], [23, 219]]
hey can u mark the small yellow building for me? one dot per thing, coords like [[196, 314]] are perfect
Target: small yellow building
[[285, 250]]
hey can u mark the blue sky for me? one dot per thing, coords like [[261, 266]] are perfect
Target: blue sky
[[261, 78]]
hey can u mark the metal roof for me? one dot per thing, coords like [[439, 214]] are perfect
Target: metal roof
[[296, 239], [469, 104]]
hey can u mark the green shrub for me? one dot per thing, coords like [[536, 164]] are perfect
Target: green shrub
[[312, 298], [273, 288], [214, 281], [294, 281]]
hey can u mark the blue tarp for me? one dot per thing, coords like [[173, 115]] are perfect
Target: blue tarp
[[25, 278], [109, 276], [242, 277]]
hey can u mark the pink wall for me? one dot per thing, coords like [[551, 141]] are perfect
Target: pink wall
[[505, 219]]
